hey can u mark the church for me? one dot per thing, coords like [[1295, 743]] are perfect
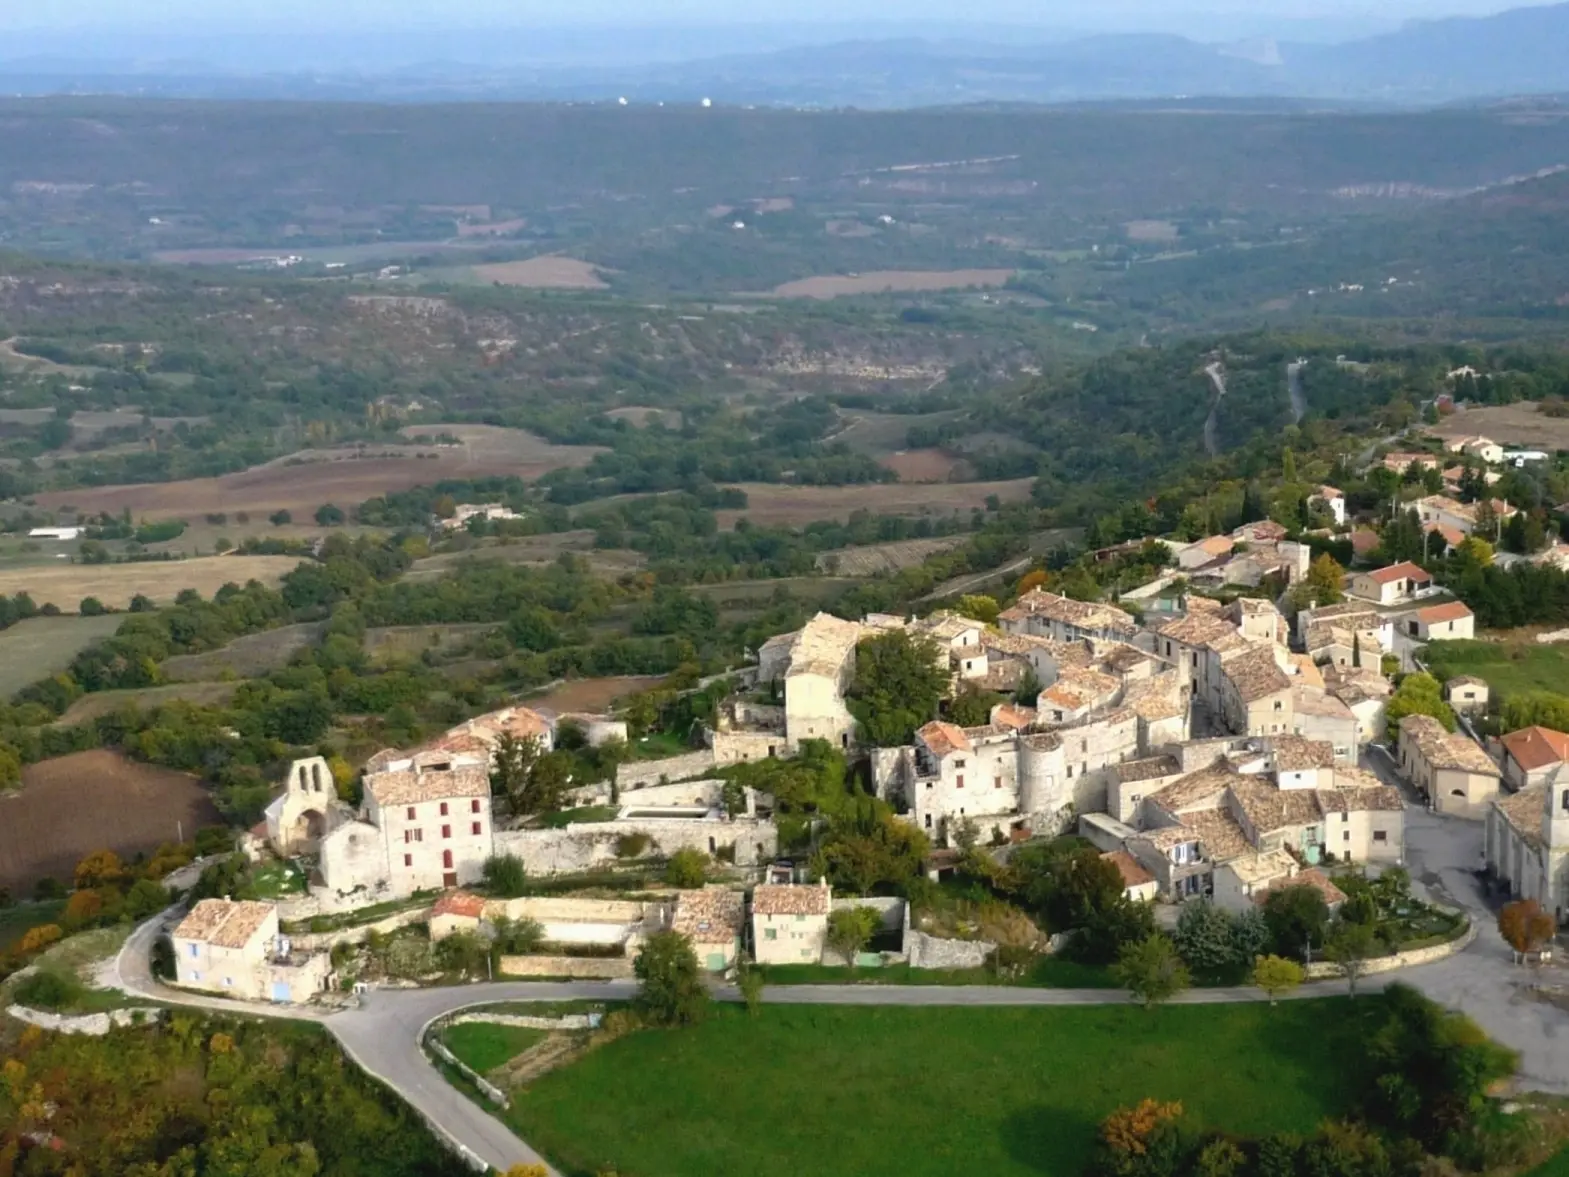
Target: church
[[1528, 841]]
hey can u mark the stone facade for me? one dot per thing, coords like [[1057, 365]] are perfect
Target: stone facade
[[592, 845], [637, 774], [1527, 842]]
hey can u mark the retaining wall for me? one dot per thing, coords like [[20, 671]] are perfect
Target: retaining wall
[[1324, 969], [564, 1022], [585, 968], [94, 1025], [930, 952], [637, 774], [324, 941], [489, 1089]]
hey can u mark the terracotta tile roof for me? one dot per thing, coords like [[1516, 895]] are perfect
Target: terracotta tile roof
[[777, 899], [1202, 788], [224, 923], [1196, 629], [1079, 614], [1264, 530], [1268, 808], [1009, 715], [1156, 698], [1255, 675], [1020, 645], [713, 915], [1453, 536], [1220, 835], [1536, 747], [1295, 753], [1132, 871], [1466, 680], [1405, 570], [1149, 769], [944, 739], [822, 645], [1312, 877], [408, 787], [1364, 541], [1076, 689], [1443, 750], [1215, 545], [1450, 611], [1263, 868], [1329, 492], [1345, 798], [945, 626], [1307, 700], [1524, 811], [461, 903]]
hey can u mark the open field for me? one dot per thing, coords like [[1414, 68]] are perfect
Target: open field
[[41, 646], [72, 805], [775, 505], [1265, 1070], [890, 282], [1518, 424], [486, 1047], [345, 476], [251, 656], [162, 580], [395, 643], [545, 273], [593, 694], [929, 465], [99, 703], [1509, 667], [880, 434], [16, 921], [882, 559], [643, 415], [535, 549], [741, 599]]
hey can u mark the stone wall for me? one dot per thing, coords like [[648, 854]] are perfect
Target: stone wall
[[523, 1021], [1325, 970], [737, 747], [95, 1025], [930, 952], [638, 774], [592, 845], [586, 968], [324, 941], [892, 911], [489, 1089]]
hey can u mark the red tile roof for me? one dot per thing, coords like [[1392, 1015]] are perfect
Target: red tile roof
[[1452, 611], [1405, 570], [1132, 871], [459, 903], [1537, 747]]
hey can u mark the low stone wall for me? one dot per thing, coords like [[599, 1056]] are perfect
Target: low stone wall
[[523, 1021], [94, 1025], [930, 952], [487, 1088], [592, 845], [637, 774], [1325, 970], [324, 941], [585, 968]]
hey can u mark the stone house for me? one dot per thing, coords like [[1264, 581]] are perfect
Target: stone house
[[1318, 715], [1451, 621], [1364, 819], [308, 807], [712, 919], [1458, 777], [1392, 585], [1256, 697], [1205, 552], [1532, 755], [1462, 517], [964, 774], [1333, 500], [1137, 883], [1042, 614], [819, 670], [790, 923], [234, 948], [1240, 883], [1527, 842], [1469, 695]]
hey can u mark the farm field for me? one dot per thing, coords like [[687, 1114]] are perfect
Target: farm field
[[543, 273], [928, 465], [1518, 424], [250, 656], [739, 600], [1509, 667], [395, 643], [776, 505], [642, 416], [537, 549], [116, 584], [41, 646], [593, 694], [346, 477], [72, 805], [894, 1066], [100, 703], [889, 282], [881, 559]]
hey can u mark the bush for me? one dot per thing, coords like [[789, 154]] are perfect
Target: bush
[[91, 607], [505, 876], [46, 990], [672, 993], [632, 845], [687, 868]]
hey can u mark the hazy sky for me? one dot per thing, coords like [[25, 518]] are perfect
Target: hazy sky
[[40, 14]]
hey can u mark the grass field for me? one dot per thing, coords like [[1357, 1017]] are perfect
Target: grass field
[[774, 505], [882, 559], [485, 1047], [1049, 972], [15, 921], [890, 1092], [542, 273], [251, 656], [90, 707], [115, 584], [890, 282], [593, 695], [406, 643], [72, 805], [41, 646], [1509, 667]]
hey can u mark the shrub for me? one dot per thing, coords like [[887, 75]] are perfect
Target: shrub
[[39, 938], [672, 993], [687, 868], [632, 845], [46, 990], [505, 875]]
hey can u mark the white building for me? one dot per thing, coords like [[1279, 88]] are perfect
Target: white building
[[1527, 842], [790, 923], [234, 948]]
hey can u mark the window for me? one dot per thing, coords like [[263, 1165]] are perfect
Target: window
[[1084, 745], [443, 809], [477, 828], [411, 813], [996, 782], [958, 764], [474, 805], [1380, 836], [419, 835], [408, 860], [1565, 802], [1070, 772], [960, 781], [408, 836], [196, 976], [1279, 706], [446, 860], [446, 831], [928, 826], [228, 982], [800, 919], [196, 950], [1346, 837], [770, 933]]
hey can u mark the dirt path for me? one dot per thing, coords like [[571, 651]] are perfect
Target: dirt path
[[1217, 376]]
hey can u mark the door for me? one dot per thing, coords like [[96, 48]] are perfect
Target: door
[[450, 879], [280, 991], [716, 962]]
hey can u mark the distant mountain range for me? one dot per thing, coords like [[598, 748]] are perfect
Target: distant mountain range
[[1522, 51]]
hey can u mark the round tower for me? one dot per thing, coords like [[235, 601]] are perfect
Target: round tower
[[1041, 773]]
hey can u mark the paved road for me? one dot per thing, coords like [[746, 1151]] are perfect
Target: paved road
[[1294, 390], [1217, 376]]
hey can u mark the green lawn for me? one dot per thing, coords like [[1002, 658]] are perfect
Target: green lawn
[[1508, 667], [277, 879], [15, 921], [485, 1047], [1557, 1167], [1047, 973], [930, 1092]]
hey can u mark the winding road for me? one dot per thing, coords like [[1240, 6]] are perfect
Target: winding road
[[384, 1034], [1294, 390], [1217, 376]]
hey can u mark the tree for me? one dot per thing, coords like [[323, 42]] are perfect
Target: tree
[[142, 604], [1151, 970], [850, 930], [1418, 694], [328, 515], [672, 993], [510, 937], [280, 518], [749, 982], [512, 764], [1350, 945], [10, 767], [1297, 917], [972, 707], [1328, 580], [899, 681], [1217, 945], [527, 1171], [979, 607], [687, 868], [1066, 882], [1141, 1141], [101, 868], [864, 852], [1028, 692], [1525, 927], [462, 953], [505, 876], [91, 607], [1276, 975]]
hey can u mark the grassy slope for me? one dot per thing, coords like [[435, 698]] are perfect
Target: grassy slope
[[886, 1092], [16, 921], [40, 646], [486, 1047], [1509, 668]]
